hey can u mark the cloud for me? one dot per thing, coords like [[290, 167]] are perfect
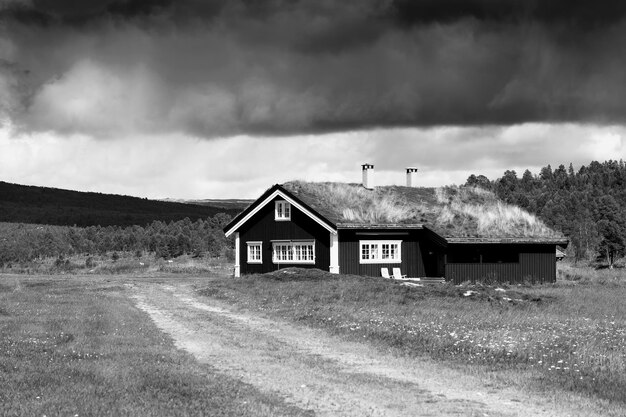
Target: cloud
[[605, 145], [210, 69], [89, 98], [451, 154]]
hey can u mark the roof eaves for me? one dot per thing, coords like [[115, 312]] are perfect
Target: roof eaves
[[379, 226], [329, 213], [261, 201], [250, 207], [308, 207], [478, 240]]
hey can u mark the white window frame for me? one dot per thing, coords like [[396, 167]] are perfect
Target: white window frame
[[294, 249], [380, 251], [251, 258], [280, 208]]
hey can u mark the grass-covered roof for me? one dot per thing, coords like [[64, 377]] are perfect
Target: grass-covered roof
[[452, 212]]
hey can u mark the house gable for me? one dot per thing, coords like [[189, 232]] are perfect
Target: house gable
[[268, 198], [300, 241]]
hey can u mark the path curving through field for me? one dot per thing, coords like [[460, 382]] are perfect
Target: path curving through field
[[316, 371]]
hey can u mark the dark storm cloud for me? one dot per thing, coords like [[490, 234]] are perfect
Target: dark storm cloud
[[215, 68], [575, 13], [76, 11]]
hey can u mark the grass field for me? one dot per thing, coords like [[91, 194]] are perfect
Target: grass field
[[567, 337], [115, 263], [75, 346]]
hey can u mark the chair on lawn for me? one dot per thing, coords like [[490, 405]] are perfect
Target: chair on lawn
[[397, 274], [384, 272]]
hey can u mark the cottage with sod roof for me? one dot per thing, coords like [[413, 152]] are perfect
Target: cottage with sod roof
[[458, 233]]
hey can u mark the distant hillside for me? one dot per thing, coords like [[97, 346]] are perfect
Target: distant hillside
[[42, 205], [230, 204]]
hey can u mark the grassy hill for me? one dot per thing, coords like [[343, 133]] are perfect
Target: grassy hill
[[42, 205]]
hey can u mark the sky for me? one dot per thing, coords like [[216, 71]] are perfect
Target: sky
[[196, 99]]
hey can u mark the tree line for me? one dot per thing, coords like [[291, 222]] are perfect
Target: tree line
[[21, 242], [587, 205]]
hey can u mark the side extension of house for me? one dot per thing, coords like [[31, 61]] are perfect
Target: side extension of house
[[501, 262]]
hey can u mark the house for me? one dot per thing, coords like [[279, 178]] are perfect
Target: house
[[460, 233]]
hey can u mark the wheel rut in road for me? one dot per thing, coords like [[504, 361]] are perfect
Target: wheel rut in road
[[320, 372]]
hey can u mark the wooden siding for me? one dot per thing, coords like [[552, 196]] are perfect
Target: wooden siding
[[262, 227], [537, 264], [418, 255]]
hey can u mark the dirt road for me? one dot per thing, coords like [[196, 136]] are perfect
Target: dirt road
[[319, 372]]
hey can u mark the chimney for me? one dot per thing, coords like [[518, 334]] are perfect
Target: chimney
[[368, 176], [411, 177]]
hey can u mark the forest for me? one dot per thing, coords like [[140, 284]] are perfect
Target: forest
[[588, 205], [21, 243]]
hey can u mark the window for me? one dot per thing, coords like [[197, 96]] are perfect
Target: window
[[255, 254], [302, 252], [282, 210], [380, 251]]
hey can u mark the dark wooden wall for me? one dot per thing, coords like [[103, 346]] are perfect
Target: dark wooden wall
[[262, 227], [537, 264], [414, 252]]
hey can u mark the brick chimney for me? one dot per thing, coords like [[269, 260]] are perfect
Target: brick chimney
[[411, 177], [368, 175]]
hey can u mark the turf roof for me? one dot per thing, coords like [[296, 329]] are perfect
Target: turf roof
[[452, 212]]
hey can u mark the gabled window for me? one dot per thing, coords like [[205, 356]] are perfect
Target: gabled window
[[380, 251], [282, 210], [255, 253], [298, 252]]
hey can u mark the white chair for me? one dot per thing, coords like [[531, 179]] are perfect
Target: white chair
[[384, 272], [397, 274]]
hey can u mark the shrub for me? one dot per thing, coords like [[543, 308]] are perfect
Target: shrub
[[162, 251], [90, 262], [61, 262], [119, 268]]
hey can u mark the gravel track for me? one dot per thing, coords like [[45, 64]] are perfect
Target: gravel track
[[316, 371]]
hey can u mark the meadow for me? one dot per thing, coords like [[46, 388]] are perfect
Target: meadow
[[115, 263], [73, 342], [77, 345], [560, 338]]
